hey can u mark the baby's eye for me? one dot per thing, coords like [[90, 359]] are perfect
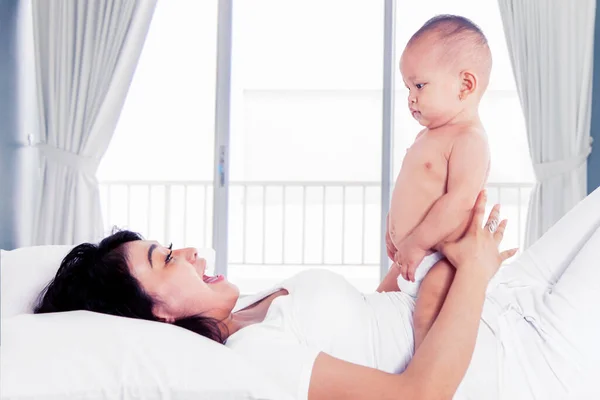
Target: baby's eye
[[420, 85]]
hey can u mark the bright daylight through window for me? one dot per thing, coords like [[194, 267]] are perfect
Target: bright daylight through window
[[306, 112]]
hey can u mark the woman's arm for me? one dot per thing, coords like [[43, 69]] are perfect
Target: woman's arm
[[432, 293], [447, 349], [390, 282], [437, 367], [435, 286], [441, 361]]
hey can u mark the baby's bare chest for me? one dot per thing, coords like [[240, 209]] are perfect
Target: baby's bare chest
[[427, 158]]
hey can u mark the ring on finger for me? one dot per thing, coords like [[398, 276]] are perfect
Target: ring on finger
[[492, 225]]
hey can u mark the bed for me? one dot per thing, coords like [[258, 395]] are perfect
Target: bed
[[85, 355]]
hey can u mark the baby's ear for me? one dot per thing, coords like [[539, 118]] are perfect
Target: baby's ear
[[468, 84]]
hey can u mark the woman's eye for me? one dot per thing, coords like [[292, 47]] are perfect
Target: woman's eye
[[170, 255], [419, 85]]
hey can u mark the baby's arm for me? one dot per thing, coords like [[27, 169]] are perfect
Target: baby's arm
[[390, 281], [467, 172], [389, 244]]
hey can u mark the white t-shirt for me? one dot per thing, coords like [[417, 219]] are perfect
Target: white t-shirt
[[324, 313]]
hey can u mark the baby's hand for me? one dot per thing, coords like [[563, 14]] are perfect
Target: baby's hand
[[408, 257], [391, 249]]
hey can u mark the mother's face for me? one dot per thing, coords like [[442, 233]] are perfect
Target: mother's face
[[178, 282]]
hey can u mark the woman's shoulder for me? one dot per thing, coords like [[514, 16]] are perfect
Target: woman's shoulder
[[312, 284]]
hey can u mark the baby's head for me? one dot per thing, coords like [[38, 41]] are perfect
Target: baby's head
[[446, 66]]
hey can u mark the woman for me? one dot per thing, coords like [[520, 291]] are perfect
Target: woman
[[309, 333]]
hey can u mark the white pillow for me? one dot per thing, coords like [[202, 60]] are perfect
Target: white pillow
[[26, 271], [83, 355]]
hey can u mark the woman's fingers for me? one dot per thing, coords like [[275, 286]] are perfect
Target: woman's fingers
[[499, 234], [494, 216], [505, 255], [478, 211]]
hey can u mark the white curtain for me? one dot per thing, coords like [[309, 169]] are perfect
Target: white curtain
[[86, 52], [552, 48]]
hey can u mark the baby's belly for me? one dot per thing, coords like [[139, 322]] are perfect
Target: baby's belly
[[408, 207]]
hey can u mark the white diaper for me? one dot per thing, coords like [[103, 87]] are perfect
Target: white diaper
[[412, 288]]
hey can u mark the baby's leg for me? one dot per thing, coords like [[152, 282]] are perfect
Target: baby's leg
[[432, 295]]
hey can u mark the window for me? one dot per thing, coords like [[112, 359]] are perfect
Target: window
[[165, 135], [305, 139]]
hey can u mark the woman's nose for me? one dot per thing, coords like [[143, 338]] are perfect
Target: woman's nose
[[190, 254]]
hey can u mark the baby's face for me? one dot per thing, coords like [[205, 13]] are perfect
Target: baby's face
[[433, 97]]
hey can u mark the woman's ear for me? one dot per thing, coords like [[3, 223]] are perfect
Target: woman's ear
[[163, 315], [468, 84]]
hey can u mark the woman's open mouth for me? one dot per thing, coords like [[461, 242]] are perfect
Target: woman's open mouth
[[212, 279]]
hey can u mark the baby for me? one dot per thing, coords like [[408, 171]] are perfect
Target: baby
[[446, 67]]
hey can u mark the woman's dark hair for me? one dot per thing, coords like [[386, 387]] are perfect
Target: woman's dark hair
[[95, 277]]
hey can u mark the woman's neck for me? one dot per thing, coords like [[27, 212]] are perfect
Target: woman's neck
[[253, 314]]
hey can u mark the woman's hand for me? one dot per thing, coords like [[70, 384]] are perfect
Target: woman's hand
[[477, 251]]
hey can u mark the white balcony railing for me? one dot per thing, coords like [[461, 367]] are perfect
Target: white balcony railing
[[278, 223]]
